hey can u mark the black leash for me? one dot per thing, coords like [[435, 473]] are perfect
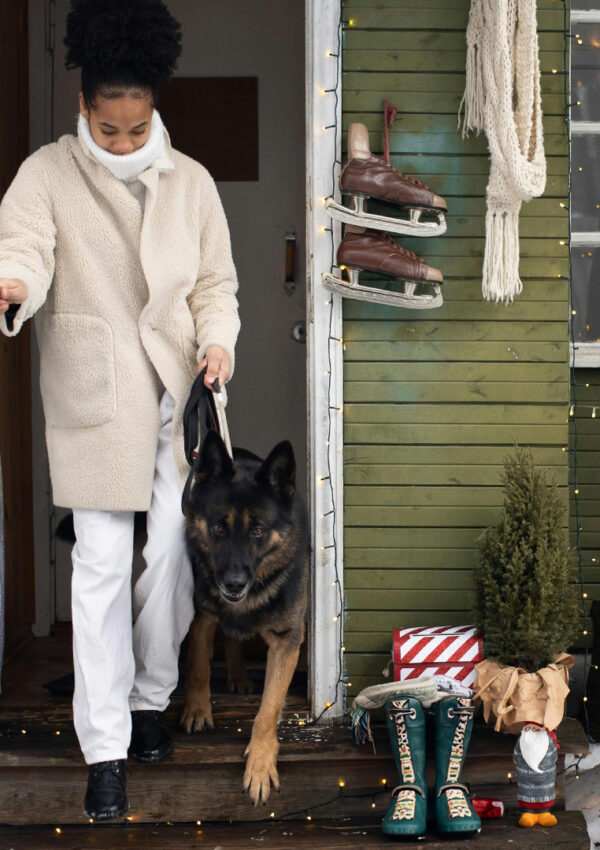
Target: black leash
[[199, 417]]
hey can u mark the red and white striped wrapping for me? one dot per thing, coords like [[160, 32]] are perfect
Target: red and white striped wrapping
[[438, 650]]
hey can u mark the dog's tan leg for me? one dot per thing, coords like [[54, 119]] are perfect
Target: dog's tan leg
[[261, 767], [236, 668], [197, 711]]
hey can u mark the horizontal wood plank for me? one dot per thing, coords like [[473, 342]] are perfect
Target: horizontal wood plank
[[413, 38], [456, 414], [433, 18], [410, 559], [427, 83], [457, 372], [416, 497], [458, 455], [370, 474], [441, 331], [376, 391], [530, 352], [439, 599], [379, 433]]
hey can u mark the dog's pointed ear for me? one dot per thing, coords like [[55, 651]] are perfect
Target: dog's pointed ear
[[213, 461], [278, 471]]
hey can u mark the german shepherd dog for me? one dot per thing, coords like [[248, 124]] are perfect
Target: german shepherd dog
[[247, 537]]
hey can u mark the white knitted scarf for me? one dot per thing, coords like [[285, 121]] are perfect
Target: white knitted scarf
[[126, 166], [503, 98]]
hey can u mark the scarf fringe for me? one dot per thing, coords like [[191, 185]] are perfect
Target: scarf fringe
[[500, 278], [473, 98]]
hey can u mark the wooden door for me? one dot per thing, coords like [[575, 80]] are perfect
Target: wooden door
[[15, 379]]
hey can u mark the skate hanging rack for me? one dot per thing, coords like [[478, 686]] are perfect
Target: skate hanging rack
[[412, 297]]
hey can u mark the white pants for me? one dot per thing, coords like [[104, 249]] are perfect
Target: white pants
[[118, 667]]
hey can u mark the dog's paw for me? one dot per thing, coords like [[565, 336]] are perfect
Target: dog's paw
[[196, 717], [261, 769], [239, 684]]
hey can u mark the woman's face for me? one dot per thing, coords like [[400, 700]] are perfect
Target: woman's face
[[120, 125]]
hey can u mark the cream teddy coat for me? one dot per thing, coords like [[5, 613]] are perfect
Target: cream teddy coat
[[121, 297]]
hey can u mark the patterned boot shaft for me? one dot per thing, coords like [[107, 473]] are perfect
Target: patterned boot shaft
[[407, 812], [454, 723]]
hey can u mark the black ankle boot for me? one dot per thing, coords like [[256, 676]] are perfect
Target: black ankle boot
[[106, 796], [151, 739]]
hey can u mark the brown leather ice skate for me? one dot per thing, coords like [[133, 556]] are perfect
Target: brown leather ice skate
[[366, 175], [373, 251]]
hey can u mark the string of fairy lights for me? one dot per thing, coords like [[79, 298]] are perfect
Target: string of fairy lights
[[574, 383], [334, 341]]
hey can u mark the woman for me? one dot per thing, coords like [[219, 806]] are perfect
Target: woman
[[120, 246]]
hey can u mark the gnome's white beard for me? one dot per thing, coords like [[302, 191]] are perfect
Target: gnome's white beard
[[534, 746]]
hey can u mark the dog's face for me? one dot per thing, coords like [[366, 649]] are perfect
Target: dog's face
[[239, 515]]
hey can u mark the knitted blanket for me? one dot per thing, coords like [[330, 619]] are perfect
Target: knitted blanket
[[502, 97]]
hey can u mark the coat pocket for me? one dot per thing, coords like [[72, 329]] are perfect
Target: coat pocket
[[77, 370]]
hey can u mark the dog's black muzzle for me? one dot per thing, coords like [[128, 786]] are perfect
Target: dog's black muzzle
[[235, 584]]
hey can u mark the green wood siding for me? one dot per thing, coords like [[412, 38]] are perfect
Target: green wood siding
[[433, 400]]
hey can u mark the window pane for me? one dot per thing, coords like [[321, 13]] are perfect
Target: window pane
[[585, 183], [586, 295], [585, 95], [585, 72], [585, 4]]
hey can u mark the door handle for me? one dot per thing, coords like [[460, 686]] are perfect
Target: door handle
[[290, 262]]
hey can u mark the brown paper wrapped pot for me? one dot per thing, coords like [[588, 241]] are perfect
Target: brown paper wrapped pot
[[514, 696]]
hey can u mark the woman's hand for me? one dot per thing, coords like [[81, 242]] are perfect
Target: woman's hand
[[217, 360], [12, 291]]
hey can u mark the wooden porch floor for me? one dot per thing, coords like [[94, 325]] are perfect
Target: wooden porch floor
[[43, 777], [348, 834]]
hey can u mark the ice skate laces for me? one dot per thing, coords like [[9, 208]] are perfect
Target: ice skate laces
[[410, 254]]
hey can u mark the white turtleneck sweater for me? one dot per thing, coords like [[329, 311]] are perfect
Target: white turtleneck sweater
[[127, 167]]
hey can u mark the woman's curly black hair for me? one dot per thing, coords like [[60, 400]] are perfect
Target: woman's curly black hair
[[121, 44]]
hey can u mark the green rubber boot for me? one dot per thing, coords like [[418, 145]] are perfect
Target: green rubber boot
[[454, 722], [407, 813]]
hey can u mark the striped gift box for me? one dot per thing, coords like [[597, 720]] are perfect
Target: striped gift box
[[438, 650]]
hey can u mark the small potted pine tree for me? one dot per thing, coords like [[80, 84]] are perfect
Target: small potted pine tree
[[527, 612]]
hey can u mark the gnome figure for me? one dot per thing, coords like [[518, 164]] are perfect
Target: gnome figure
[[535, 755]]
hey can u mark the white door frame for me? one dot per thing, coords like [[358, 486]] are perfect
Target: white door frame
[[325, 359]]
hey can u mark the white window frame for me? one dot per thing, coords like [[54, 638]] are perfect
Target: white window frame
[[324, 334], [584, 354]]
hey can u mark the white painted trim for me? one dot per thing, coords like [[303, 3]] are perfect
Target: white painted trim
[[322, 22], [585, 128], [580, 16], [585, 355], [587, 239]]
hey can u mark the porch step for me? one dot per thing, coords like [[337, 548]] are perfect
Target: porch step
[[342, 834], [43, 777]]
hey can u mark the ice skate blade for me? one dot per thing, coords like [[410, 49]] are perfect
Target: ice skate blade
[[382, 222], [383, 296]]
